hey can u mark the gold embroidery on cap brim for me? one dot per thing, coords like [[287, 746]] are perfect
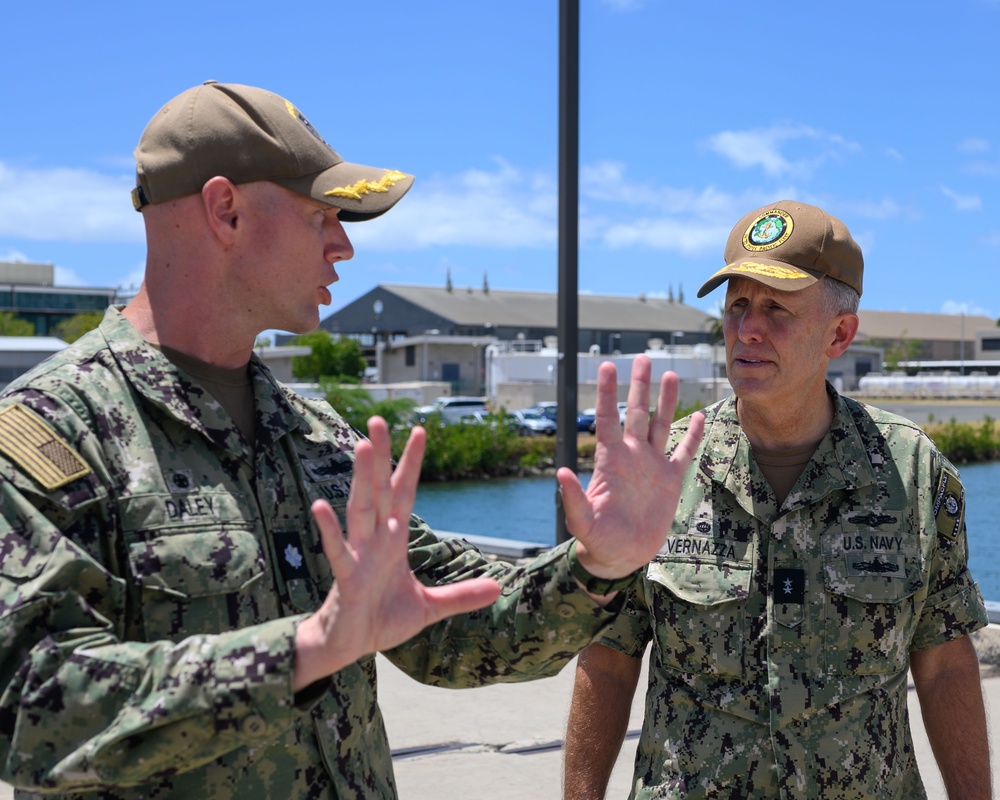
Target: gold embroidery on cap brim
[[364, 186], [769, 271]]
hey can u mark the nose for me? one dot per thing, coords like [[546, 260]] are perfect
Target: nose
[[338, 244], [750, 325]]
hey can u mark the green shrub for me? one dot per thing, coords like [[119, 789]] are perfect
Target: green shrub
[[966, 442], [493, 449], [355, 404]]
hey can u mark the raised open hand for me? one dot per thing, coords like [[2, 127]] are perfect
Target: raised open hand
[[376, 602], [623, 518]]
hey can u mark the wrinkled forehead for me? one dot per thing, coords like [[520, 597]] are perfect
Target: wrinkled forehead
[[739, 286]]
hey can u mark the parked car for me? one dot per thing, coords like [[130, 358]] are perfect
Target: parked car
[[487, 418], [531, 422], [621, 414], [450, 408], [584, 420], [547, 407], [592, 413], [622, 406]]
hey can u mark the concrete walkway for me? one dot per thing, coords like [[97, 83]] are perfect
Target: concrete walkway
[[504, 742]]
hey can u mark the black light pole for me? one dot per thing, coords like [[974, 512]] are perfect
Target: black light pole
[[568, 315]]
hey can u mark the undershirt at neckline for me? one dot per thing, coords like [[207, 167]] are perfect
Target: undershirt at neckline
[[783, 467], [230, 386]]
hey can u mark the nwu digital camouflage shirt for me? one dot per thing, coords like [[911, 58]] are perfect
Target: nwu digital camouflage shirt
[[153, 570], [781, 636]]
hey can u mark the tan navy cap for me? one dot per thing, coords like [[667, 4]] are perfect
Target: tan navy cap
[[248, 134], [788, 246]]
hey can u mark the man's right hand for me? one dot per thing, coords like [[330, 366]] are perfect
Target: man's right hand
[[376, 601]]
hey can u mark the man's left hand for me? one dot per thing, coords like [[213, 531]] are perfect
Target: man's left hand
[[623, 518]]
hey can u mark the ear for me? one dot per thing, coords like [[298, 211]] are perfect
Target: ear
[[845, 328], [221, 201]]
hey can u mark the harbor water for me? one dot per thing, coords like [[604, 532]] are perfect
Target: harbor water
[[524, 509]]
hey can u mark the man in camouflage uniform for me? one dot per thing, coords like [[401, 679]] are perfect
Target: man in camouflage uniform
[[171, 516], [818, 553]]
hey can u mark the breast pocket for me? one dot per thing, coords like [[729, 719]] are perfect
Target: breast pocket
[[699, 609], [193, 576], [872, 580]]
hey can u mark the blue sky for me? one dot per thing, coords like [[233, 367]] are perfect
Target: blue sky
[[886, 114]]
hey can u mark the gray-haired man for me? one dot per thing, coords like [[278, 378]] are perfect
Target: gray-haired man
[[818, 553]]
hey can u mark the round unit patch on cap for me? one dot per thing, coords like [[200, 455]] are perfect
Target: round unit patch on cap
[[769, 230]]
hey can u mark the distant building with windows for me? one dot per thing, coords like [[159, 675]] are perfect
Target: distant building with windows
[[930, 337], [29, 292], [609, 322], [434, 333], [459, 336], [18, 354]]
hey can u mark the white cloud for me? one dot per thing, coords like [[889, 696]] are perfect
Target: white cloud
[[764, 148], [986, 169], [605, 184], [510, 208], [894, 154], [969, 309], [624, 5], [693, 222], [66, 204], [974, 146], [963, 202], [884, 208], [505, 208], [66, 277], [502, 207], [133, 279], [750, 149], [690, 237], [13, 255], [982, 166]]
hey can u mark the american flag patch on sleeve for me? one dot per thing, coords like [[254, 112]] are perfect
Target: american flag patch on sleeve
[[28, 441]]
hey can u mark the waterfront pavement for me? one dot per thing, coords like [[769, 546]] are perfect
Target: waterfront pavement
[[503, 742], [926, 411]]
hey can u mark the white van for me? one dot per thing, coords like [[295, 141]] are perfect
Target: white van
[[450, 408]]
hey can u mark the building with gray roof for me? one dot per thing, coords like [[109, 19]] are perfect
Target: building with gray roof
[[609, 322]]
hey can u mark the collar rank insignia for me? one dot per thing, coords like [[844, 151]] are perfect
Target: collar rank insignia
[[293, 556], [789, 586], [290, 555]]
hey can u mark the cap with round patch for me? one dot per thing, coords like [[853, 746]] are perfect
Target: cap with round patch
[[788, 246]]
